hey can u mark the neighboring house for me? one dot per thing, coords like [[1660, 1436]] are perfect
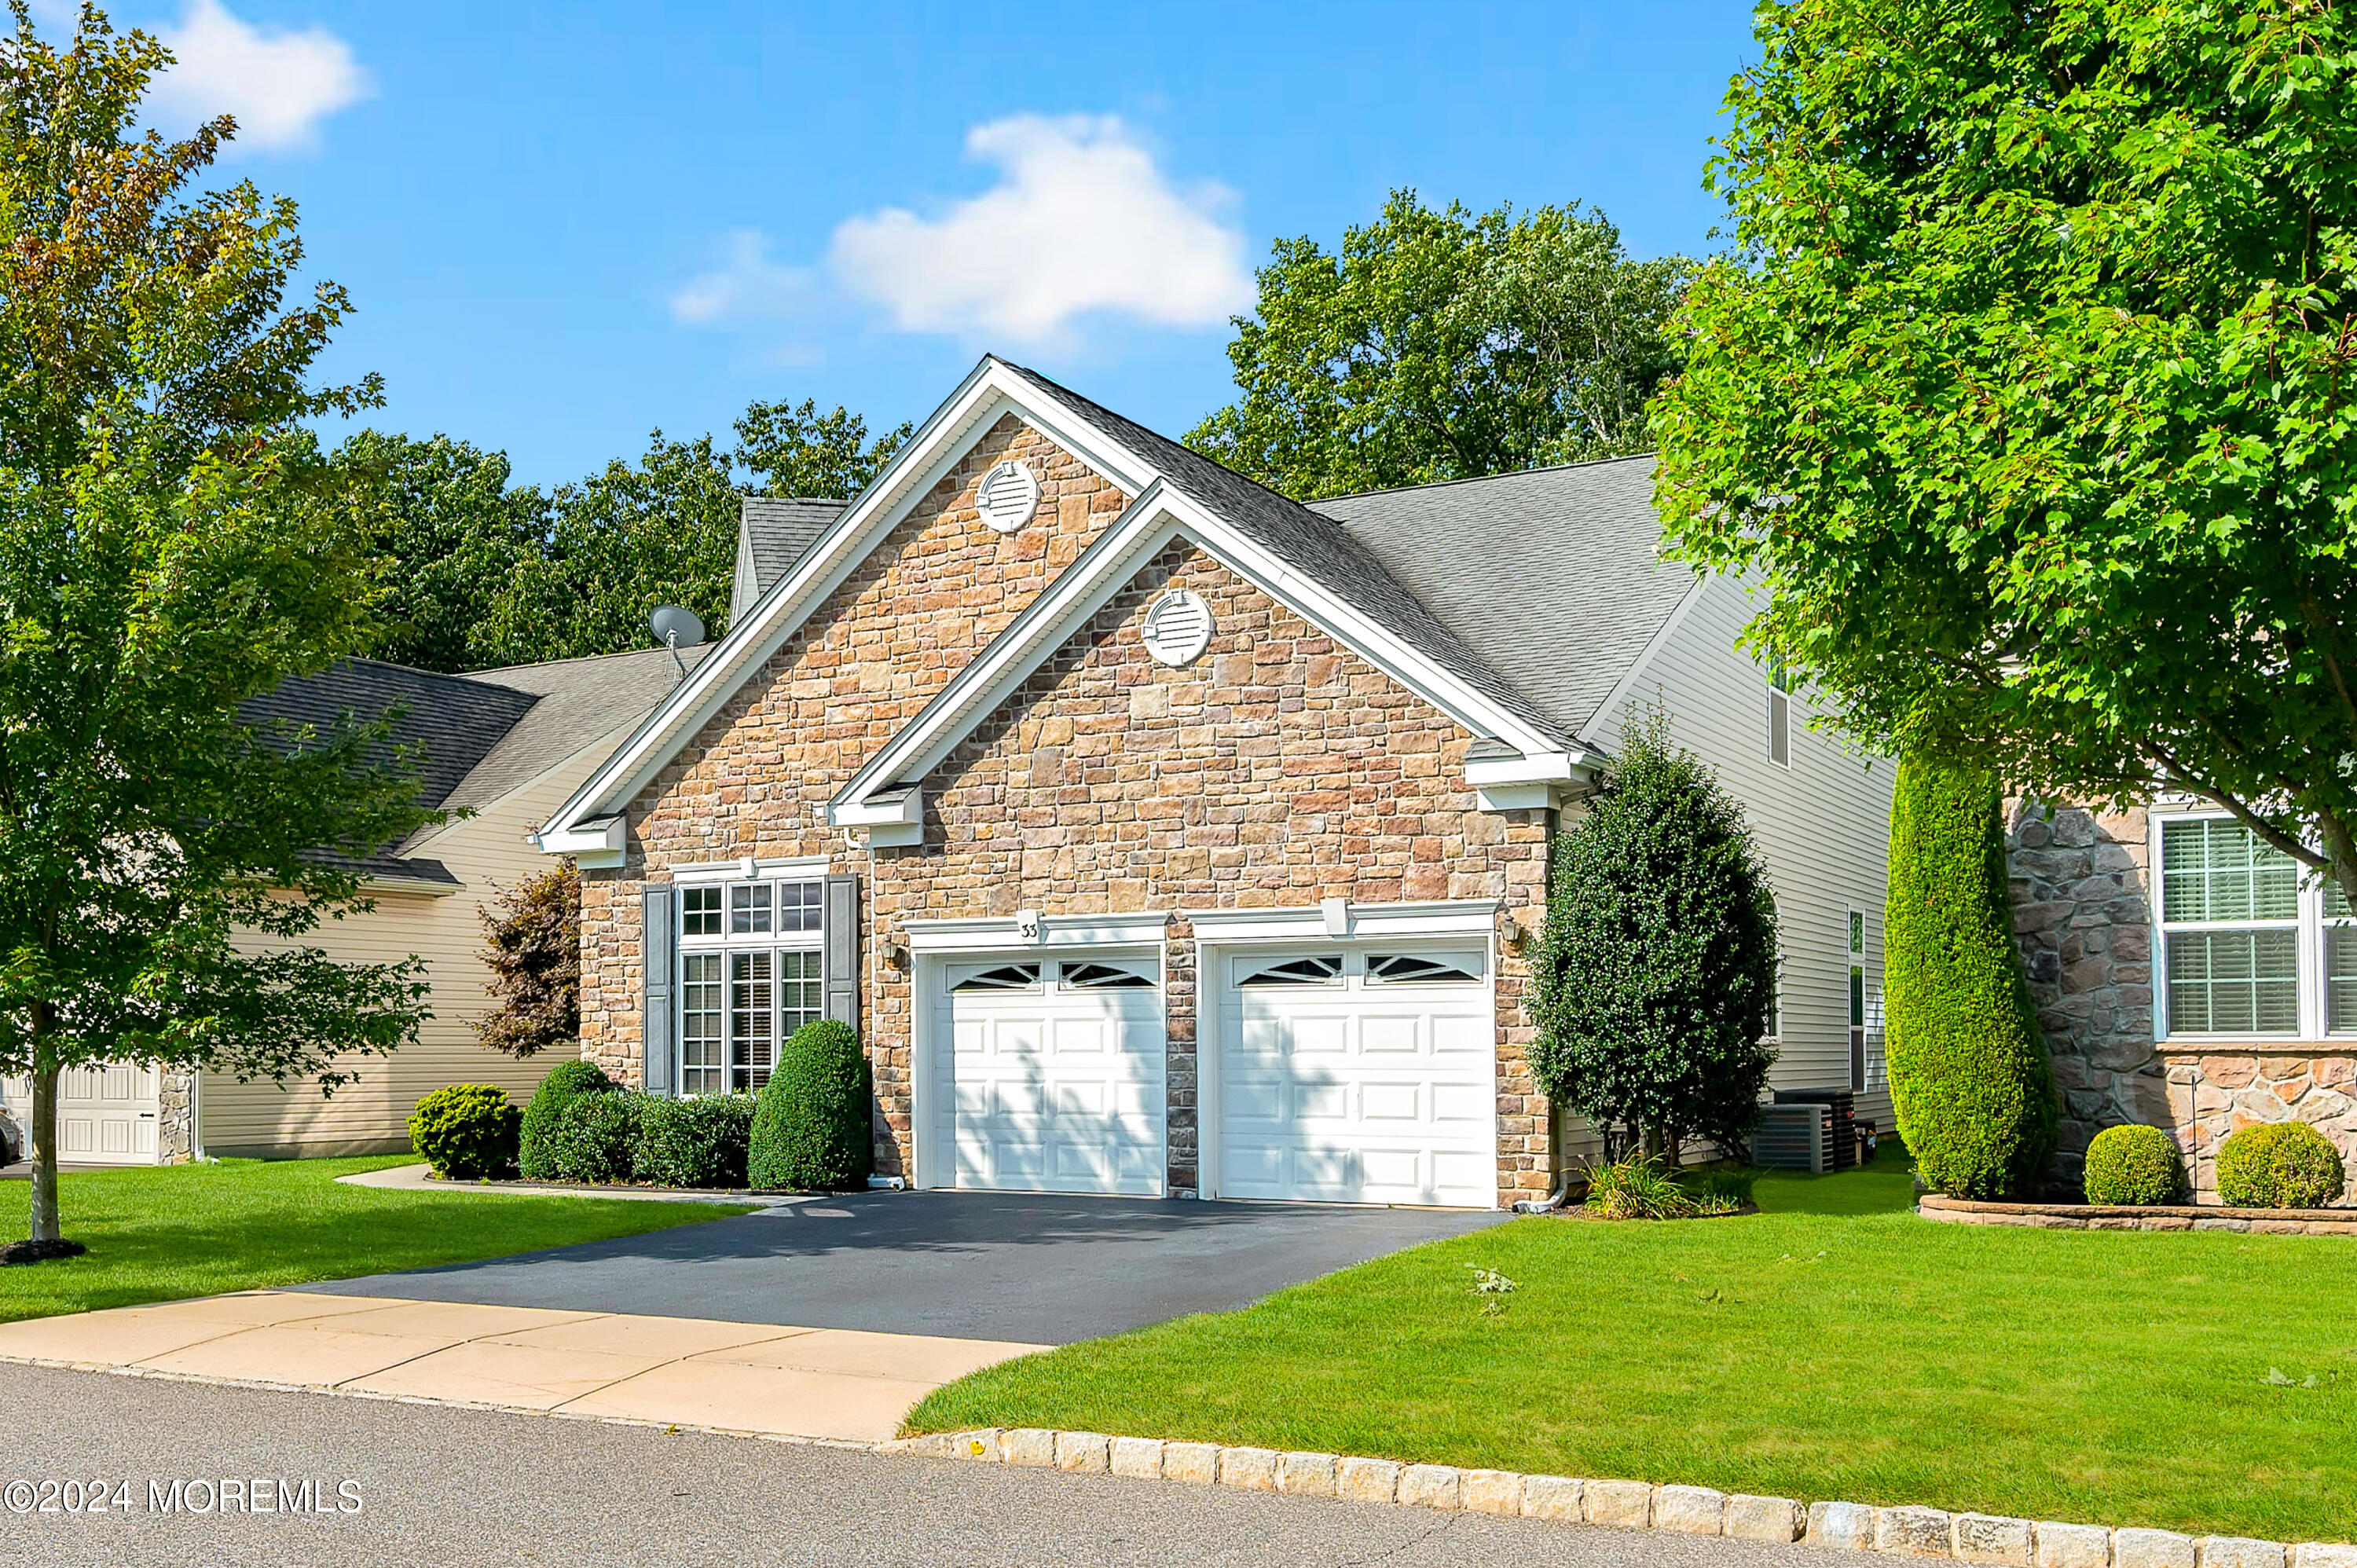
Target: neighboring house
[[1164, 836], [502, 748], [2230, 1000]]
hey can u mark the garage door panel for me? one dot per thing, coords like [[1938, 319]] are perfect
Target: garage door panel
[[1052, 1087], [1392, 1103], [1371, 1089]]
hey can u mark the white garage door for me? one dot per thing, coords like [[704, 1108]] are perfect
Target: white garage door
[[1358, 1076], [1054, 1080], [107, 1114]]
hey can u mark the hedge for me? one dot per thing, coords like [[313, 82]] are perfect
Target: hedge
[[1969, 1078], [2279, 1165], [699, 1142], [810, 1130], [2134, 1165], [466, 1131], [596, 1137], [568, 1083]]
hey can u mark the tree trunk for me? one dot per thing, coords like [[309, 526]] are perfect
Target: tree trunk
[[45, 1145]]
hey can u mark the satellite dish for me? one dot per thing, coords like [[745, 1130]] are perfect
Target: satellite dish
[[676, 626]]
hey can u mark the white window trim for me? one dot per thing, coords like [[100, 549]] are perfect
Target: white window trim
[[1776, 694], [796, 868], [2308, 921], [725, 877]]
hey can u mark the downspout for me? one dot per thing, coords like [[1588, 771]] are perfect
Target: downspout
[[874, 980], [196, 1115], [1554, 1113]]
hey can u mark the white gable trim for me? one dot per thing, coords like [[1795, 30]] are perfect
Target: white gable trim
[[1108, 566], [990, 390]]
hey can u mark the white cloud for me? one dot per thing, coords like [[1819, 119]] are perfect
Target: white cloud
[[746, 283], [279, 83], [1080, 220]]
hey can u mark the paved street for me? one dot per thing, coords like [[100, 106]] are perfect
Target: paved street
[[444, 1489], [1030, 1267]]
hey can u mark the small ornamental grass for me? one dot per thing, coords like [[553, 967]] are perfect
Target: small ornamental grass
[[466, 1131], [698, 1142], [561, 1087], [2134, 1165], [1637, 1188], [2279, 1165], [596, 1137]]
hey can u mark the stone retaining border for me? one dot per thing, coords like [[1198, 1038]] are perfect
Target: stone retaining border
[[2111, 1217], [1620, 1504]]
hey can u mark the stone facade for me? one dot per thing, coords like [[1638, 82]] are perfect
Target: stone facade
[[1279, 769], [756, 780], [175, 1118], [2082, 914]]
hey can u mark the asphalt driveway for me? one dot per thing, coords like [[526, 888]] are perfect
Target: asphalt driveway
[[1040, 1269]]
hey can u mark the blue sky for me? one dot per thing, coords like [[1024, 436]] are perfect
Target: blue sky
[[564, 226]]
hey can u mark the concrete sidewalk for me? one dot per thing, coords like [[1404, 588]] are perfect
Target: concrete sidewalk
[[759, 1379]]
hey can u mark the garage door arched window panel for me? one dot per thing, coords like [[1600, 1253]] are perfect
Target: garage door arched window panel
[[1314, 969], [1104, 976], [997, 977], [1423, 969]]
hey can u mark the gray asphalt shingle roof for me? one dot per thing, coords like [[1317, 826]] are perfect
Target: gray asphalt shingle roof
[[1320, 549], [473, 738], [772, 532], [1552, 575]]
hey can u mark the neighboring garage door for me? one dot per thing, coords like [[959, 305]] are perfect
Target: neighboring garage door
[[1358, 1075], [1054, 1080], [107, 1114]]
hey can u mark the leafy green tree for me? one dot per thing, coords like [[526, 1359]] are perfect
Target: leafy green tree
[[2029, 399], [454, 531], [800, 451], [1658, 963], [619, 544], [170, 546], [1440, 345], [1969, 1078]]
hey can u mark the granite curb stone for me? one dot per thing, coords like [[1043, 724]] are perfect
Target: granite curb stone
[[1902, 1532]]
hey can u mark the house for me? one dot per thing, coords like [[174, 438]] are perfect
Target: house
[[502, 748], [1163, 835], [2230, 999]]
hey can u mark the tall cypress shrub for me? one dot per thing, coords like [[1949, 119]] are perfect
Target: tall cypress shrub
[[1658, 963], [1969, 1077]]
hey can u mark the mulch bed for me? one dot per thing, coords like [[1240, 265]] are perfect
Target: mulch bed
[[39, 1251]]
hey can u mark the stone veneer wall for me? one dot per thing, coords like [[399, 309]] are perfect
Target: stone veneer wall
[[2082, 914], [1279, 768], [1276, 769], [756, 780], [175, 1117]]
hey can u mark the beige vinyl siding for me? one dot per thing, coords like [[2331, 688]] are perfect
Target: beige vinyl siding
[[489, 852], [1823, 824]]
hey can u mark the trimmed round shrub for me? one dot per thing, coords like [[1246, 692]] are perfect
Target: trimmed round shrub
[[596, 1137], [2279, 1165], [1969, 1077], [810, 1130], [2134, 1165], [561, 1087], [466, 1131], [699, 1142]]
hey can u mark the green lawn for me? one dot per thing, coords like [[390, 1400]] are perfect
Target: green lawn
[[1832, 1346], [161, 1232]]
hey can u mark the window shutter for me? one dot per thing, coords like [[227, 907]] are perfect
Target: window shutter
[[839, 926], [661, 946]]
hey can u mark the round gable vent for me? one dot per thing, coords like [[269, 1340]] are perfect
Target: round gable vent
[[1178, 627], [1007, 495]]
